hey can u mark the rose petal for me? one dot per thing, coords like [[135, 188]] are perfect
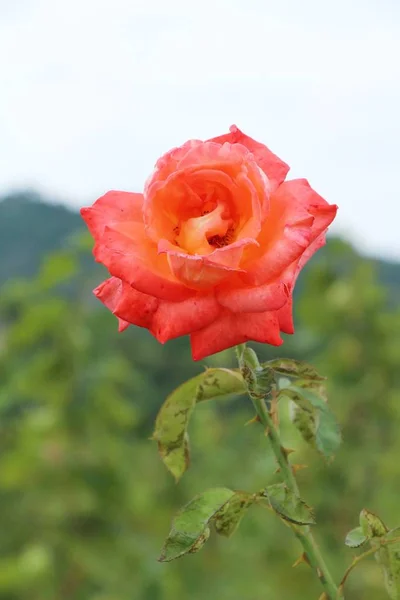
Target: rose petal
[[323, 213], [250, 188], [168, 163], [275, 169], [122, 325], [323, 216], [174, 319], [252, 205], [267, 297], [127, 303], [231, 329], [194, 271], [292, 272], [285, 316], [212, 155], [113, 207], [226, 171], [297, 217], [179, 197], [116, 223], [285, 244], [130, 256], [319, 208], [165, 320], [230, 255], [308, 253]]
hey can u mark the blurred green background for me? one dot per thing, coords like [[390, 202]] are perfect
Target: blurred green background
[[85, 502]]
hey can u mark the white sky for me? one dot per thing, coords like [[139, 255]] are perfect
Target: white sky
[[93, 91]]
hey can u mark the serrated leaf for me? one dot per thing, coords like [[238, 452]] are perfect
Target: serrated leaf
[[313, 417], [388, 557], [371, 525], [173, 418], [295, 368], [355, 538], [227, 520], [289, 506], [190, 528]]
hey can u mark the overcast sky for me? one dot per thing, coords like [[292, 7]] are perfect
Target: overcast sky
[[93, 91]]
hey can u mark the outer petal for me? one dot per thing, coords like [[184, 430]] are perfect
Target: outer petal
[[319, 208], [129, 255], [126, 303], [113, 207], [165, 320], [267, 297], [290, 275], [174, 319], [275, 169], [230, 329], [285, 316], [308, 253], [298, 216], [116, 223], [281, 244]]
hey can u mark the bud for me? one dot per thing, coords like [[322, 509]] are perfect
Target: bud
[[371, 525]]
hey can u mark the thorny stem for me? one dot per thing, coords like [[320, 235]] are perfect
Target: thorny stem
[[303, 533]]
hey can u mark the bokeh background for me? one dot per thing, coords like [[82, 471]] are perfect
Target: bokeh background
[[92, 93]]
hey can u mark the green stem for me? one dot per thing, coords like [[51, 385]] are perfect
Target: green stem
[[302, 533]]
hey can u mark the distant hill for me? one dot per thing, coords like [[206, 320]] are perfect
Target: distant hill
[[31, 226]]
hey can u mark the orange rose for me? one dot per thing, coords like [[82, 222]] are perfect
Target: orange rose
[[213, 246]]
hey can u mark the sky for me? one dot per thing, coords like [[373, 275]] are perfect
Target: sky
[[92, 92]]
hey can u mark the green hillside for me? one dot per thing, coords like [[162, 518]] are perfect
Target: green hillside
[[30, 227]]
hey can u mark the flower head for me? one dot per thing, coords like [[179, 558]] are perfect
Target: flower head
[[213, 246]]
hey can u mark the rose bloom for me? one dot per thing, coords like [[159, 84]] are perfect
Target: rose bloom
[[213, 246]]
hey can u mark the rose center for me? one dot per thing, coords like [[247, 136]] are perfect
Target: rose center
[[213, 229]]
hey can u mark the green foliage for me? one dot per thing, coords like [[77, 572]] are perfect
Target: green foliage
[[302, 384], [313, 417], [355, 538], [385, 545], [84, 497], [388, 556], [371, 525], [259, 379], [296, 369], [173, 418], [289, 506], [232, 512], [190, 528], [59, 267]]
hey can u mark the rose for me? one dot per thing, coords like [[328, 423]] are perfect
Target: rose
[[213, 246]]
